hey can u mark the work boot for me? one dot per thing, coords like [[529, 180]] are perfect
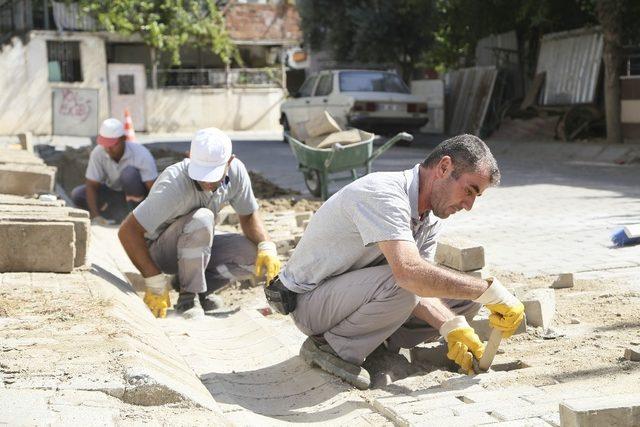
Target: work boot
[[211, 303], [188, 306], [326, 359]]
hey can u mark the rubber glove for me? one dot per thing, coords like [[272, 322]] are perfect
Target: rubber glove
[[463, 343], [506, 310], [267, 258], [100, 220], [156, 295]]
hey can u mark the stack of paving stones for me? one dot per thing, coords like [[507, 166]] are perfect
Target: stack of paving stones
[[284, 227], [37, 232]]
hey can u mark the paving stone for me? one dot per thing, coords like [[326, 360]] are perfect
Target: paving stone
[[459, 420], [19, 157], [564, 280], [504, 393], [301, 217], [26, 141], [480, 324], [25, 180], [532, 411], [539, 306], [632, 353], [460, 255], [621, 410], [489, 406], [37, 246], [12, 199], [527, 422], [558, 396]]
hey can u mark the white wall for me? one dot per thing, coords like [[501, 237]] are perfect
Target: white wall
[[186, 110], [25, 90]]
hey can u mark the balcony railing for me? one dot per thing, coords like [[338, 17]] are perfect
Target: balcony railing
[[220, 78]]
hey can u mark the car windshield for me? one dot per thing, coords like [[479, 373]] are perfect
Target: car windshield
[[371, 81]]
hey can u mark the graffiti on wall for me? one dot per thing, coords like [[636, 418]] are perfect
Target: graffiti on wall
[[75, 112]]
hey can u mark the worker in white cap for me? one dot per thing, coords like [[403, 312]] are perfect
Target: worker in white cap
[[172, 230], [119, 172]]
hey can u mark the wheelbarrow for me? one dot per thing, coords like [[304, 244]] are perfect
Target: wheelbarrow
[[317, 164]]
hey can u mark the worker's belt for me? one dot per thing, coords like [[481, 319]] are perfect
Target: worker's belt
[[279, 297]]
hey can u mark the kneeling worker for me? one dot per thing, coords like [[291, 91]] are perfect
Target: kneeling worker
[[360, 276], [172, 230], [119, 172]]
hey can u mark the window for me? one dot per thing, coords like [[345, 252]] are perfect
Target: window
[[325, 85], [125, 84], [307, 86], [371, 81], [64, 61]]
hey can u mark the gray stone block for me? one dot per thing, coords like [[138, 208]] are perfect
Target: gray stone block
[[434, 354], [481, 325], [301, 217], [632, 354], [19, 157], [12, 199], [26, 141], [37, 246], [25, 180], [539, 306], [618, 410], [564, 280], [460, 255]]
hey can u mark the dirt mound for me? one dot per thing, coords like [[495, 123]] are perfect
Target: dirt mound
[[289, 203]]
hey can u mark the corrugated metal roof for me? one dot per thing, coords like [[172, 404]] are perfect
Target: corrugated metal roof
[[469, 91], [571, 60]]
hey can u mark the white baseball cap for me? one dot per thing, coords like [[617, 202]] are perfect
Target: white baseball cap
[[111, 130], [210, 152]]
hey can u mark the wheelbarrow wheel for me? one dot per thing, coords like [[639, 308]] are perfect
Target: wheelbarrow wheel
[[312, 180]]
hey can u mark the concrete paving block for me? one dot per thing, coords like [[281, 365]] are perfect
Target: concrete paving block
[[25, 180], [564, 280], [461, 420], [500, 394], [532, 411], [79, 218], [26, 141], [12, 199], [480, 324], [19, 157], [460, 255], [539, 306], [489, 406], [527, 422], [434, 354], [621, 410], [37, 246], [632, 354], [301, 217]]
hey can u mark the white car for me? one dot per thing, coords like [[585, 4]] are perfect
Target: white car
[[376, 101]]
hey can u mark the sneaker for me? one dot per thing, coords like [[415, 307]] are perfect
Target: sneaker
[[211, 303], [326, 359], [188, 306]]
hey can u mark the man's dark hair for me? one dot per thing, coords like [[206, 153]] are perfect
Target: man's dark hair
[[468, 154]]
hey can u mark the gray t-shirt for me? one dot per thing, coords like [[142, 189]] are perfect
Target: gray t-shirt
[[342, 235], [175, 194], [104, 169]]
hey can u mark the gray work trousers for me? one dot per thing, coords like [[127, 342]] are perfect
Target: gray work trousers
[[357, 311], [202, 262]]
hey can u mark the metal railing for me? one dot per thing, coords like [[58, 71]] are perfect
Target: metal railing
[[220, 78]]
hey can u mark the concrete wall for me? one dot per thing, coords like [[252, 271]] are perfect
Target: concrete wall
[[186, 110], [25, 90]]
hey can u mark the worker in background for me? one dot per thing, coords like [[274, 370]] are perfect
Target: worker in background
[[172, 230], [119, 172], [361, 275]]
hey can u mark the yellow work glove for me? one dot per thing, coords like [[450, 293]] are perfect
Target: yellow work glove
[[156, 295], [506, 310], [267, 258], [463, 343]]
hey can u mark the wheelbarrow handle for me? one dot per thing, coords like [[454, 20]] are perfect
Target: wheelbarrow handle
[[390, 143], [336, 147]]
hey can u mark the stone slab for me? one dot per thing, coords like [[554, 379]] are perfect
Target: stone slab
[[480, 324], [460, 255], [26, 141], [37, 246], [617, 410], [25, 180], [632, 354], [564, 280], [19, 157], [12, 199], [539, 306]]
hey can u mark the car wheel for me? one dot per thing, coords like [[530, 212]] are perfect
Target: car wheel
[[285, 127], [312, 180]]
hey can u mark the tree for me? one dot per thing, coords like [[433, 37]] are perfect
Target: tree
[[373, 31], [609, 14], [166, 25]]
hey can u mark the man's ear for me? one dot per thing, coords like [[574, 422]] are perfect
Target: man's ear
[[444, 167]]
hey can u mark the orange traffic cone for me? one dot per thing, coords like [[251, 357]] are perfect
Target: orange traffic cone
[[128, 126]]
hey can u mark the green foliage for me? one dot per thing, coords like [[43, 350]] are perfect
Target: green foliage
[[166, 24], [371, 31]]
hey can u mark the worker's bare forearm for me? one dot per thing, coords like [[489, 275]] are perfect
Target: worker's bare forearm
[[92, 198], [253, 227], [131, 236], [433, 311]]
